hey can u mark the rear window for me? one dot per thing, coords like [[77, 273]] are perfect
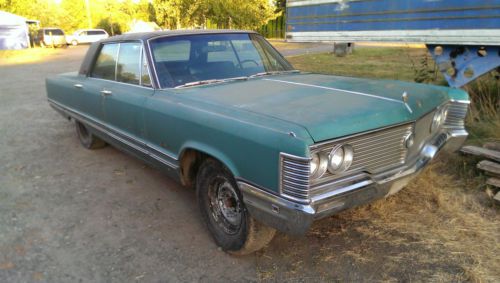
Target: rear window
[[54, 32], [173, 51]]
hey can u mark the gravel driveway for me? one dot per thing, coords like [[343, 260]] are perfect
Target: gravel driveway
[[68, 214]]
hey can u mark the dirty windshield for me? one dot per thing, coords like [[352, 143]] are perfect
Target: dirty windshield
[[191, 59]]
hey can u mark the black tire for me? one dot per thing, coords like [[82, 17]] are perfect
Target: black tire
[[223, 210], [87, 139]]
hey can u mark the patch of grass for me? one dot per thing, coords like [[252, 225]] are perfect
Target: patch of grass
[[441, 227], [30, 55], [483, 120], [368, 62]]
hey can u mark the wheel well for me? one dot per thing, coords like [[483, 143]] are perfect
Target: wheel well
[[190, 162]]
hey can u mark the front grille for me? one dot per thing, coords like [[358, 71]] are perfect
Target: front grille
[[294, 179], [373, 151], [456, 115]]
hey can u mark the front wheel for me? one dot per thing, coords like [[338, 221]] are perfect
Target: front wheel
[[225, 214], [74, 43]]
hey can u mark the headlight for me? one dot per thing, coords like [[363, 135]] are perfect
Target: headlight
[[340, 159], [318, 165], [438, 119]]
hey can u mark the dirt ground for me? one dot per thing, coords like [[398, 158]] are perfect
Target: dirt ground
[[68, 214]]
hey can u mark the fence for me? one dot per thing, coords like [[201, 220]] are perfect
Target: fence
[[274, 28]]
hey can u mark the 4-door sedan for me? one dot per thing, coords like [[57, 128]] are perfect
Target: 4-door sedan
[[266, 146]]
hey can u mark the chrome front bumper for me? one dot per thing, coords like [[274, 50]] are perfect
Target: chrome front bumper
[[295, 218]]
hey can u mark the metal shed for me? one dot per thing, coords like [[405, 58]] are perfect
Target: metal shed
[[14, 33]]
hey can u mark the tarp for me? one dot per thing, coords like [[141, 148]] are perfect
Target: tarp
[[14, 33]]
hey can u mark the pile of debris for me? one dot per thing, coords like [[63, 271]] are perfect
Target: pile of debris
[[491, 166]]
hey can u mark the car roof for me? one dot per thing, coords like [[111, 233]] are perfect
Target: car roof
[[152, 34]]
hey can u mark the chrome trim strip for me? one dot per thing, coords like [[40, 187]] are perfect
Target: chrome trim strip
[[340, 191], [338, 89], [117, 58], [152, 63], [459, 101], [115, 82], [114, 133]]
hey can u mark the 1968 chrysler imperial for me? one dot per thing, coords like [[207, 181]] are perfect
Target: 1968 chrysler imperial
[[266, 146]]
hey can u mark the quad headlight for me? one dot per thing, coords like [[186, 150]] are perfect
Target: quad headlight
[[318, 165], [335, 161], [439, 118], [340, 158]]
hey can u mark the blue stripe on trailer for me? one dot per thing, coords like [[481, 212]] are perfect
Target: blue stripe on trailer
[[395, 15]]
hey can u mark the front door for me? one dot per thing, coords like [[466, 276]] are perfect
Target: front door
[[117, 90]]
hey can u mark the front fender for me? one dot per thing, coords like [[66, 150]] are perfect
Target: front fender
[[212, 151]]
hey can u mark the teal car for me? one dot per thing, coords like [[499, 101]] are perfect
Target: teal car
[[265, 146]]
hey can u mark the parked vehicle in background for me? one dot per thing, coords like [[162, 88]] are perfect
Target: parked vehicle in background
[[266, 146], [86, 36], [50, 37]]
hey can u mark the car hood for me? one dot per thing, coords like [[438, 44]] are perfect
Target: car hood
[[326, 106]]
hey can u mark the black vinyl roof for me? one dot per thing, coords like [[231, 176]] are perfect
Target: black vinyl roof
[[91, 52], [148, 35]]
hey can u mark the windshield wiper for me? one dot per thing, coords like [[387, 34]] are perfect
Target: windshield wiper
[[212, 81], [270, 73]]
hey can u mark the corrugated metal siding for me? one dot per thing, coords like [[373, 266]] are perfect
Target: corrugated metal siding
[[393, 15]]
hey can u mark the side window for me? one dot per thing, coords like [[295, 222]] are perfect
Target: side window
[[105, 64], [145, 78], [129, 63], [83, 33]]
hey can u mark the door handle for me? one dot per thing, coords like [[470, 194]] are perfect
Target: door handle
[[106, 92], [78, 85]]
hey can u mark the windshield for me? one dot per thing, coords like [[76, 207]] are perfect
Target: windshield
[[181, 60]]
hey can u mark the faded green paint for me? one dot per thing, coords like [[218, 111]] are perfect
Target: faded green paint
[[246, 124]]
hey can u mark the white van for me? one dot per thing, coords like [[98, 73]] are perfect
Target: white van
[[86, 36]]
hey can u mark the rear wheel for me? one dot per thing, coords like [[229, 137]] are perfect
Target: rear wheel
[[87, 139], [224, 212]]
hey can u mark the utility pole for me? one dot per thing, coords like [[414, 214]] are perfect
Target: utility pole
[[89, 19]]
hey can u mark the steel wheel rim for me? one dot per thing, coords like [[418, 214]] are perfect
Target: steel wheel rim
[[225, 206]]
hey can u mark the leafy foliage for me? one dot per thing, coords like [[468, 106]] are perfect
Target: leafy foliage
[[116, 15]]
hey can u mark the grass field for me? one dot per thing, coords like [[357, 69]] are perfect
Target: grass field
[[14, 57], [443, 227]]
